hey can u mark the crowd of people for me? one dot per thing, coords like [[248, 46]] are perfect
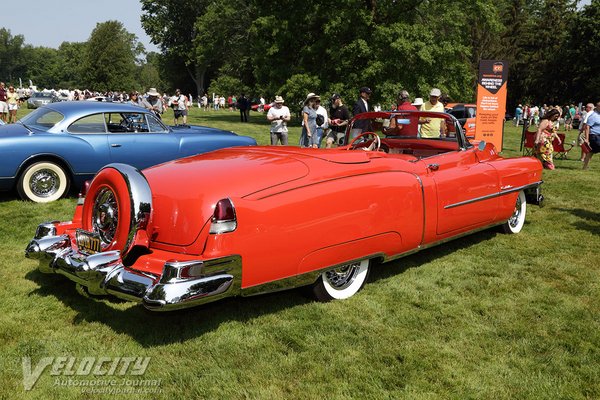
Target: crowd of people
[[548, 120], [570, 115], [318, 123]]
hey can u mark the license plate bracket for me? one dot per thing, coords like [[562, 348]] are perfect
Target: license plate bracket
[[88, 242]]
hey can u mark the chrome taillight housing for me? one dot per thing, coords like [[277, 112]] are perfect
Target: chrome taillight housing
[[224, 219]]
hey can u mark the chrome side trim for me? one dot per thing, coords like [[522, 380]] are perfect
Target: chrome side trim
[[491, 196], [140, 197]]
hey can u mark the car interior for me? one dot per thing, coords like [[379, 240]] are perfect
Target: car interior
[[400, 134]]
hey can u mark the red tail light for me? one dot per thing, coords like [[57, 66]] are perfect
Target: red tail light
[[224, 219], [85, 188]]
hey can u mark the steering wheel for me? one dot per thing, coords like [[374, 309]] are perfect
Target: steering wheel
[[127, 124], [375, 145]]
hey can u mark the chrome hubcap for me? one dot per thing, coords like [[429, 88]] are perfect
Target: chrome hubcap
[[44, 183], [105, 216], [514, 220], [342, 277]]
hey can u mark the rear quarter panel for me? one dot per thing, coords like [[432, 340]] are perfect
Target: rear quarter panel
[[324, 224], [514, 173]]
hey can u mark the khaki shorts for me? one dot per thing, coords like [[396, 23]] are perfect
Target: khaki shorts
[[3, 107], [336, 137]]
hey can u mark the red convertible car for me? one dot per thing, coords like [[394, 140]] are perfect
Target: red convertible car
[[249, 220]]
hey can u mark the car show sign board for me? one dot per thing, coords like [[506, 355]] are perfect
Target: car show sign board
[[491, 101]]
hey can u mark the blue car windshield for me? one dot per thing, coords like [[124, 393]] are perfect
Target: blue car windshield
[[42, 118]]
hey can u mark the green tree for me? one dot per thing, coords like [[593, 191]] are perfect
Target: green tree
[[583, 54], [226, 85], [70, 61], [171, 25], [42, 66], [149, 73], [110, 58], [295, 89], [12, 63]]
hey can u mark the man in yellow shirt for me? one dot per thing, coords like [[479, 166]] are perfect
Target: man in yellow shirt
[[433, 127]]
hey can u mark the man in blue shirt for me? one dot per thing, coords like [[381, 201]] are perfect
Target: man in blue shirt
[[592, 135]]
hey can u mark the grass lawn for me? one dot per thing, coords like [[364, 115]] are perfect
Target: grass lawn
[[487, 316]]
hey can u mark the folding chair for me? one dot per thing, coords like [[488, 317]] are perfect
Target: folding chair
[[528, 147], [561, 150]]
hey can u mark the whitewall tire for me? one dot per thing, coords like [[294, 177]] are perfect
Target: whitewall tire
[[341, 283], [517, 220], [43, 182]]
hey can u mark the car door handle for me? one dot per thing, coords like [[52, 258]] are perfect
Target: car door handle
[[433, 167], [115, 145]]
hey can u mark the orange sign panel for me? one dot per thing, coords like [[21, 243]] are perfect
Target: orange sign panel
[[491, 102]]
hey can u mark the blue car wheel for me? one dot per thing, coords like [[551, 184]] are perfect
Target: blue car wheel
[[43, 182]]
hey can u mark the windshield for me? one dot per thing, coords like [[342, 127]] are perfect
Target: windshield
[[42, 118], [410, 126], [425, 125]]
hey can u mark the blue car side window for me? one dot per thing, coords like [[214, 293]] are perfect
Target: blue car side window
[[90, 124], [155, 125]]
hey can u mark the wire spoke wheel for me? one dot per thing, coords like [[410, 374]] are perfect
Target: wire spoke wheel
[[515, 223], [342, 282], [43, 182], [105, 216]]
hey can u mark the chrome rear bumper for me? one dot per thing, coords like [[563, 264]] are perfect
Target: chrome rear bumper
[[181, 285]]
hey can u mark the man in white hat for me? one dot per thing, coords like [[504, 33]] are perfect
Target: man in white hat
[[155, 102], [279, 116], [433, 127]]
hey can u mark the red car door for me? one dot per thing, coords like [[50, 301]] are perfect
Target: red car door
[[466, 190]]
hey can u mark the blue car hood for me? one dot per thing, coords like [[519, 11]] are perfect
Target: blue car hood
[[13, 130]]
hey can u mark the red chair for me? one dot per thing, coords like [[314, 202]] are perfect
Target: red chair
[[561, 150], [529, 146]]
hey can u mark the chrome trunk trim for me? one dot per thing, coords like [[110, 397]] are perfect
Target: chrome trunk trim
[[182, 284]]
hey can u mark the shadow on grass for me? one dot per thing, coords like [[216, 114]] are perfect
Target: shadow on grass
[[155, 329], [425, 256], [8, 196], [586, 216]]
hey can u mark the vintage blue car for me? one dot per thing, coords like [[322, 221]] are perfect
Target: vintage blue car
[[66, 143]]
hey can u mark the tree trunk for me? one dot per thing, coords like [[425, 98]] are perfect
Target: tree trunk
[[197, 76]]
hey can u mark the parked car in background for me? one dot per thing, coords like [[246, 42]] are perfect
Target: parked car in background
[[465, 114], [39, 99], [66, 143], [249, 220]]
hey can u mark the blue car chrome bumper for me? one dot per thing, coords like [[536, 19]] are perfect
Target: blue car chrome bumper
[[181, 285]]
